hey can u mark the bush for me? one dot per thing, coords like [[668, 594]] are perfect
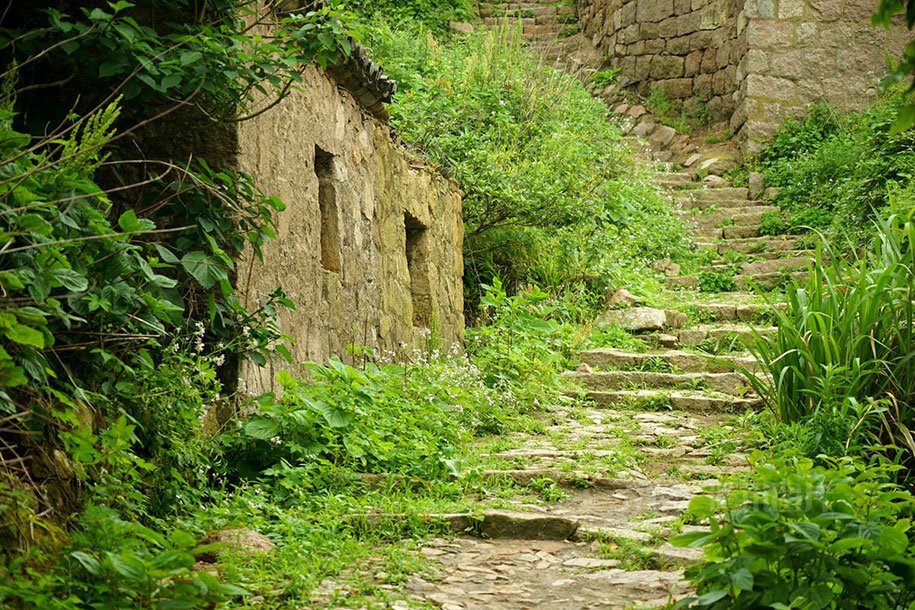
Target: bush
[[805, 536], [551, 194], [844, 350], [832, 170]]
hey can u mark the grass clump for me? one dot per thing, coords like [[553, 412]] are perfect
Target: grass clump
[[832, 170]]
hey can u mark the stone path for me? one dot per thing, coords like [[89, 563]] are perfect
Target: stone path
[[602, 488], [658, 430]]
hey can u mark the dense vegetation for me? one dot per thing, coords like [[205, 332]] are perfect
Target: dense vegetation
[[122, 328]]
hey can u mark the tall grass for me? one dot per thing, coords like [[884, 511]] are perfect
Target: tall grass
[[843, 351]]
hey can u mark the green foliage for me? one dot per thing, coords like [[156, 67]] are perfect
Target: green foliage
[[551, 195], [684, 116], [772, 223], [604, 78], [407, 419], [432, 14], [843, 352], [832, 170], [523, 343], [805, 536], [714, 281], [905, 67]]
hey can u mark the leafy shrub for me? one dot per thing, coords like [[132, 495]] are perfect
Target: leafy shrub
[[523, 343], [713, 281], [805, 536], [772, 224], [843, 351], [832, 170], [551, 194], [409, 419], [433, 14]]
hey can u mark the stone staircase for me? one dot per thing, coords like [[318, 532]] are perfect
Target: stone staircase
[[659, 425], [541, 22]]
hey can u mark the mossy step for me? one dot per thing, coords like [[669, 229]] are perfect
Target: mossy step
[[488, 524], [743, 282], [734, 384], [766, 256], [677, 178], [690, 203], [688, 362], [732, 216], [718, 193], [679, 400], [790, 263], [728, 312], [721, 332], [750, 245]]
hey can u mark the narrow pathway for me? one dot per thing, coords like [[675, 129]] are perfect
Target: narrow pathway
[[620, 474]]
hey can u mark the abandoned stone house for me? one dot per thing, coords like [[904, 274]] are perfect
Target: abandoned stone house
[[756, 62], [369, 247]]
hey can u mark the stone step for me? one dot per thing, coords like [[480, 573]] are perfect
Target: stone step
[[742, 282], [780, 243], [789, 263], [720, 332], [721, 193], [675, 178], [769, 256], [654, 400], [704, 234], [769, 281], [727, 312], [701, 204], [688, 362], [727, 383], [740, 216], [488, 524]]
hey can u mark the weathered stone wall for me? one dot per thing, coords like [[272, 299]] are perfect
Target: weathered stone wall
[[369, 247], [685, 48], [804, 51], [756, 62]]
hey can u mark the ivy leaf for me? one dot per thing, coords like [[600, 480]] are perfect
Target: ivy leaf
[[203, 268], [261, 428], [71, 280], [189, 57], [129, 223]]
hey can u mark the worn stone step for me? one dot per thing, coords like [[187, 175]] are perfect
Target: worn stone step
[[688, 203], [720, 193], [768, 281], [679, 400], [489, 524], [751, 245], [772, 265], [721, 332], [679, 178], [727, 312], [687, 362], [727, 383], [741, 215]]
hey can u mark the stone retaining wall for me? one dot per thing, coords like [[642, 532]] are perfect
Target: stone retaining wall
[[685, 48], [369, 247], [756, 62], [804, 51]]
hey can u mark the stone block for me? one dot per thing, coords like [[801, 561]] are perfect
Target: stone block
[[770, 34], [648, 30], [678, 46], [757, 62], [628, 34], [709, 61], [668, 28], [628, 14], [760, 9], [663, 136], [656, 46], [682, 7], [666, 66], [677, 88], [689, 23], [692, 63], [848, 10], [703, 85], [789, 64], [770, 87], [790, 9], [655, 10]]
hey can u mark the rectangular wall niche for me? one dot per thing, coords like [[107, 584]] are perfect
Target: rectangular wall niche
[[417, 246], [330, 214]]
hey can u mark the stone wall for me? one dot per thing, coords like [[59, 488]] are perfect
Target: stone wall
[[756, 62], [804, 51], [369, 247], [685, 48]]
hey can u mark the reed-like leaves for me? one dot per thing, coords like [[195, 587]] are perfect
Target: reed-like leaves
[[844, 343]]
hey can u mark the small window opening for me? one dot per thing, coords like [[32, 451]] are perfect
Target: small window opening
[[327, 203], [417, 250]]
